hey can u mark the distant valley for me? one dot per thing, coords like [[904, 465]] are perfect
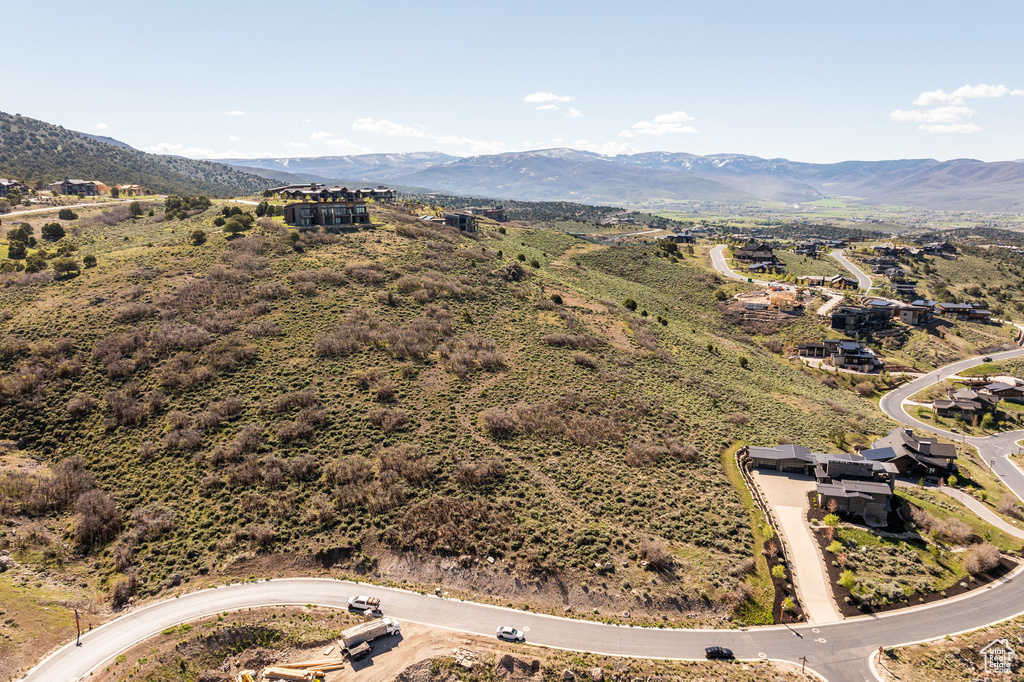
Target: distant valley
[[568, 174]]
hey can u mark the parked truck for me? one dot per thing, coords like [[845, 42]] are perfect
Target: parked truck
[[368, 631]]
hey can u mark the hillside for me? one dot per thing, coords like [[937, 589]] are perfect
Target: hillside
[[34, 151], [399, 401], [572, 175]]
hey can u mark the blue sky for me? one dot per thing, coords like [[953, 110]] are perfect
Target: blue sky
[[808, 81]]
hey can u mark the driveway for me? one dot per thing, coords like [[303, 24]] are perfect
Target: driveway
[[787, 495]]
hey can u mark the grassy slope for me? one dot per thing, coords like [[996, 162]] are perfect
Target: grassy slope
[[561, 504], [799, 265]]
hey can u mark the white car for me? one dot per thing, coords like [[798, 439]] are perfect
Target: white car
[[511, 634], [362, 603]]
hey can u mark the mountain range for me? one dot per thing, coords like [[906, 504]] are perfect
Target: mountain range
[[574, 175]]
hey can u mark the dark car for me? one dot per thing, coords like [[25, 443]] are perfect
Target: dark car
[[718, 652], [986, 359]]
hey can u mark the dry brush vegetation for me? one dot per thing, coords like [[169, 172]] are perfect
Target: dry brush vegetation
[[398, 390]]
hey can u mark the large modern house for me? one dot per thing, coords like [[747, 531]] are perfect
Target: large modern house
[[76, 186], [331, 207], [842, 354], [314, 191], [913, 456], [849, 483], [308, 214]]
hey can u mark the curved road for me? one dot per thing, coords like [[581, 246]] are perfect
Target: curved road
[[718, 260], [863, 280], [993, 449], [837, 651]]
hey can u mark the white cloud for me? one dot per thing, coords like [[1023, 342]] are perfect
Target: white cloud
[[574, 113], [676, 123], [234, 112], [953, 113], [607, 149], [178, 150], [948, 110], [347, 146], [548, 107], [321, 135], [371, 125], [102, 126], [295, 145], [547, 97], [980, 91], [232, 138]]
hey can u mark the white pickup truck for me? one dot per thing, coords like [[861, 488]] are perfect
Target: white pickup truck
[[364, 603]]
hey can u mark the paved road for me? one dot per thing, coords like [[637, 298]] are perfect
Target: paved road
[[994, 450], [718, 260], [837, 651], [863, 281]]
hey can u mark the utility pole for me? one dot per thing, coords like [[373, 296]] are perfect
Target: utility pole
[[78, 628]]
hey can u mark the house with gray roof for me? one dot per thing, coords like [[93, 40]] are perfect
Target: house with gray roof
[[913, 456]]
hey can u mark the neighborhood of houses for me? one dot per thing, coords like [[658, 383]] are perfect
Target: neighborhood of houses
[[860, 484], [72, 187]]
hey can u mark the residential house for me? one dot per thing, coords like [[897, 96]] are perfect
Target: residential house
[[767, 266], [75, 186], [313, 192], [842, 282], [855, 485], [328, 214], [7, 186], [382, 194], [1008, 388], [914, 314], [620, 218], [913, 456], [432, 220], [964, 311], [966, 403], [806, 248], [495, 213], [853, 355], [130, 190], [850, 319], [841, 354], [788, 457], [754, 252], [811, 280], [463, 221]]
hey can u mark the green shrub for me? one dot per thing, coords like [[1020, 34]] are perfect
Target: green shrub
[[556, 299], [629, 304]]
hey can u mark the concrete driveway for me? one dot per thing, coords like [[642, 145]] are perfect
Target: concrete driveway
[[787, 495]]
